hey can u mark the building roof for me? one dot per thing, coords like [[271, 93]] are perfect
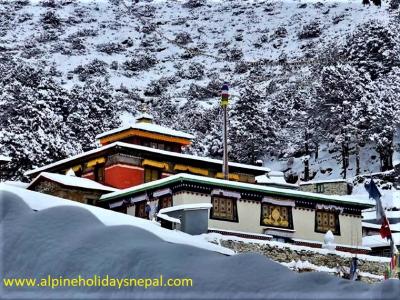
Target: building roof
[[275, 178], [374, 241], [371, 214], [5, 158], [147, 149], [150, 127], [322, 181], [394, 200], [72, 181], [191, 206], [182, 177], [393, 227]]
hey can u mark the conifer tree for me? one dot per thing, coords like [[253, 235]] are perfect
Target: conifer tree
[[91, 111], [340, 89], [373, 48], [386, 116], [251, 130], [33, 130]]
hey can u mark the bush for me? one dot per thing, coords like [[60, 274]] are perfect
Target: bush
[[21, 3], [183, 38], [310, 31], [280, 32], [51, 20], [337, 19], [200, 93], [140, 63], [194, 3], [156, 88], [48, 3], [148, 28], [25, 17], [241, 67], [234, 55], [194, 71], [110, 48], [47, 36], [95, 68], [77, 44], [147, 11]]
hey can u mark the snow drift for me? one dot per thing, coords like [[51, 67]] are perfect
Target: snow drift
[[69, 241]]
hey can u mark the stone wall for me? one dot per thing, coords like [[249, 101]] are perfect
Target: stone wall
[[327, 188], [78, 195], [331, 259]]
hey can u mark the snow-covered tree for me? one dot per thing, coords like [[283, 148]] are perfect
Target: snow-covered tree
[[91, 110], [373, 48], [33, 130], [340, 89], [295, 108], [386, 116], [251, 130]]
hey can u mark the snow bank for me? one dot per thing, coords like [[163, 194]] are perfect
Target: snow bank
[[69, 241], [39, 201]]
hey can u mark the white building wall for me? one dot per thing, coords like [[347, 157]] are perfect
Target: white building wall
[[304, 224], [303, 220]]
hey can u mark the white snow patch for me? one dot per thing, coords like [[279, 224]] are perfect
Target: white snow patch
[[73, 181], [194, 206], [39, 201]]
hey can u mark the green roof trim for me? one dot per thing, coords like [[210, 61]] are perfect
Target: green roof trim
[[182, 177]]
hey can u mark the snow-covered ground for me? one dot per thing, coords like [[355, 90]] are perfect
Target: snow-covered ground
[[38, 201]]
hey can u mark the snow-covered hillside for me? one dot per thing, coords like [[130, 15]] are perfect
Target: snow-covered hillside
[[194, 45], [72, 68]]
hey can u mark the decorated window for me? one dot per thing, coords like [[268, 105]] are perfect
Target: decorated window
[[276, 216], [141, 210], [223, 209], [151, 174], [165, 201], [99, 173], [320, 188], [327, 220]]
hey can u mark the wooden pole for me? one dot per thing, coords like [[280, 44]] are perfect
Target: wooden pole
[[224, 105], [225, 167]]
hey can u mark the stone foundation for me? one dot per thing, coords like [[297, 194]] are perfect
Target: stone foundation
[[374, 267]]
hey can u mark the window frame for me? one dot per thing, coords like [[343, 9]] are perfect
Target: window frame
[[146, 169], [337, 221], [234, 206], [99, 169], [290, 216], [138, 206], [161, 198]]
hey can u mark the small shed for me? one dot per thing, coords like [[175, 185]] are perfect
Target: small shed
[[275, 179], [189, 218], [327, 187], [69, 187]]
